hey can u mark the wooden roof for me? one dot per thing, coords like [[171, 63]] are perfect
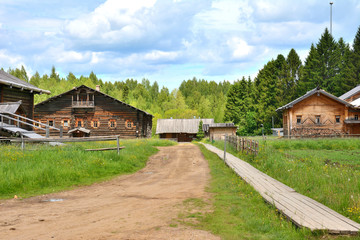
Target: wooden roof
[[180, 125], [310, 93], [93, 90], [9, 107], [350, 93], [222, 125], [10, 80]]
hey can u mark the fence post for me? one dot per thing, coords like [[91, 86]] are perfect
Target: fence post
[[225, 148], [22, 141], [47, 132], [61, 131], [118, 144], [2, 120]]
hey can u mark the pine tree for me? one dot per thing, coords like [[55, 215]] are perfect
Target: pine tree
[[355, 56], [200, 134], [294, 68]]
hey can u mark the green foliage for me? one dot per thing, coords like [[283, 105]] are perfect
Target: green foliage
[[51, 169], [200, 134]]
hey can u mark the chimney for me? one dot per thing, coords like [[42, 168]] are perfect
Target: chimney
[[98, 88]]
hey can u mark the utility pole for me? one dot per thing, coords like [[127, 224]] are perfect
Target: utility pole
[[331, 3]]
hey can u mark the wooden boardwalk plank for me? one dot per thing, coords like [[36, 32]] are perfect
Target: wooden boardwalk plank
[[301, 210]]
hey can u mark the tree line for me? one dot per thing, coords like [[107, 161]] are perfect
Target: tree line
[[250, 103]]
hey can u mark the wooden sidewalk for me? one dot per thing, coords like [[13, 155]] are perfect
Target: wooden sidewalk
[[301, 210]]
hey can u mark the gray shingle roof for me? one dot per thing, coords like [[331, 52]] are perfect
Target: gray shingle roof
[[9, 107], [180, 125], [221, 125], [10, 80], [350, 93], [83, 86], [310, 93]]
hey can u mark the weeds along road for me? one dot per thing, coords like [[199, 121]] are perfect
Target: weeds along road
[[138, 206]]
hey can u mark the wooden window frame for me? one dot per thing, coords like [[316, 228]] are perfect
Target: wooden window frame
[[48, 122], [298, 117], [63, 123], [317, 119], [356, 117], [36, 123], [97, 123], [337, 119], [110, 123], [127, 122], [77, 123]]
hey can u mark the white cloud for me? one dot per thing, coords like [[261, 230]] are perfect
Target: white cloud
[[240, 48], [161, 55]]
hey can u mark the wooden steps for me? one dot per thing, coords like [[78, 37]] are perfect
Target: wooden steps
[[301, 210]]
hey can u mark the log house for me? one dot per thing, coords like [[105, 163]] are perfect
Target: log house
[[93, 113], [320, 113]]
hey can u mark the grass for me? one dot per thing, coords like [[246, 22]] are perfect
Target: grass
[[239, 212], [44, 169]]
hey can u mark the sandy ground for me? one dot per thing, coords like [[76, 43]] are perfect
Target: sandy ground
[[143, 205]]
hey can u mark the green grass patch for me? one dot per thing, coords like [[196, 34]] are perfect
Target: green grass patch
[[327, 170], [239, 212], [44, 169]]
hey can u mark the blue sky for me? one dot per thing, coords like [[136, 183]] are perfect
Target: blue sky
[[164, 40]]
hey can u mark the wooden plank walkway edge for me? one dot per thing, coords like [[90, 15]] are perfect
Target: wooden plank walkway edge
[[301, 210]]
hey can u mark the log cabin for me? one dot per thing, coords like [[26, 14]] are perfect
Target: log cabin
[[17, 96], [217, 131], [181, 130], [84, 111], [319, 113]]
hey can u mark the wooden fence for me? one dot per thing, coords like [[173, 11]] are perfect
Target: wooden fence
[[244, 145]]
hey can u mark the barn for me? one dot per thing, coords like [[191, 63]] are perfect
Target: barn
[[217, 131], [84, 111], [181, 130], [17, 97], [320, 113]]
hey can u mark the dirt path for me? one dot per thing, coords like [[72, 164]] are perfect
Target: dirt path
[[138, 206]]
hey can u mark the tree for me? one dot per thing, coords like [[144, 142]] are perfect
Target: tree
[[200, 134], [355, 56]]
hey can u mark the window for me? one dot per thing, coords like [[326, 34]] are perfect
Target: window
[[317, 119], [298, 119], [36, 123], [356, 117], [129, 124], [51, 123], [337, 118], [95, 123], [79, 123], [65, 123], [112, 123]]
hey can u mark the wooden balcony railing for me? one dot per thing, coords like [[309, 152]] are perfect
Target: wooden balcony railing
[[83, 104]]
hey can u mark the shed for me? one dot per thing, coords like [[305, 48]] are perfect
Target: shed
[[217, 131], [181, 130]]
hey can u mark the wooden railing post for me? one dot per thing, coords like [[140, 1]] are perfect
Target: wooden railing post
[[118, 144], [61, 131], [47, 132]]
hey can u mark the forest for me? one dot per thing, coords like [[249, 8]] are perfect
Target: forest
[[250, 103]]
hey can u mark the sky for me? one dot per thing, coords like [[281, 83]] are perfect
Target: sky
[[167, 41]]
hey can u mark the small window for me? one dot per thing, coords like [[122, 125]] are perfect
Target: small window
[[36, 123], [51, 123], [112, 123], [95, 123], [317, 119], [356, 117], [337, 118], [298, 119], [79, 123], [129, 124], [65, 123]]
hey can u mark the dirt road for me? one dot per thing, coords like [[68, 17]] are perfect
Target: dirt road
[[138, 206]]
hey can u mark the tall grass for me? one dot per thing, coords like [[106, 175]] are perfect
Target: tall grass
[[44, 169], [327, 170]]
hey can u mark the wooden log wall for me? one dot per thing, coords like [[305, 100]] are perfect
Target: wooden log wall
[[105, 110]]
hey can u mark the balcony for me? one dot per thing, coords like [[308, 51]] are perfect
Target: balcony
[[352, 120], [83, 104]]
